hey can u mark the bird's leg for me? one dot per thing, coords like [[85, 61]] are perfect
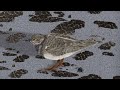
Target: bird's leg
[[54, 67]]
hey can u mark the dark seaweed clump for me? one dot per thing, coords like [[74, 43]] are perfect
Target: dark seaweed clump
[[60, 14], [15, 37], [1, 25], [18, 73], [44, 16], [68, 27], [107, 45], [8, 54], [13, 65], [43, 13], [8, 16], [10, 29], [91, 76], [21, 58], [42, 71], [63, 74], [116, 77], [49, 19], [83, 55], [9, 49], [4, 68], [66, 64], [80, 69], [39, 57], [94, 12], [2, 61], [108, 53], [106, 24], [2, 32], [69, 16]]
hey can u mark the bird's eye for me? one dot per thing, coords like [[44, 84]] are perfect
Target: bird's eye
[[33, 40]]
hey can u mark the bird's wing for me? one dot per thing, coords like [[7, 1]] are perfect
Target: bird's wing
[[62, 44], [66, 37], [57, 45]]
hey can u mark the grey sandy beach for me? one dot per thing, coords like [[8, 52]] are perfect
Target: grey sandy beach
[[97, 65]]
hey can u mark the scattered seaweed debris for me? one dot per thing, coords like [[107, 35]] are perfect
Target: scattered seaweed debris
[[18, 73], [42, 71], [83, 55], [4, 68], [15, 37], [116, 77], [63, 74], [94, 12], [13, 65], [108, 53], [80, 69], [2, 32], [91, 76], [44, 16], [2, 61], [8, 54], [10, 29], [69, 16], [48, 19], [9, 49], [66, 64], [17, 51], [60, 14], [8, 16], [21, 58], [39, 57], [107, 45], [1, 25], [68, 27], [106, 24]]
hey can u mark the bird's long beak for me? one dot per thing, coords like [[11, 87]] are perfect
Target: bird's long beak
[[34, 43]]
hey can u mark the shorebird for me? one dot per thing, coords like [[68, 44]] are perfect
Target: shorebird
[[59, 46]]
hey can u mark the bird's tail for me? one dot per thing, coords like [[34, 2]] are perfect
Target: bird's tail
[[89, 42]]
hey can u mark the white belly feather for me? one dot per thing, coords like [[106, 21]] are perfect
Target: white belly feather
[[51, 57]]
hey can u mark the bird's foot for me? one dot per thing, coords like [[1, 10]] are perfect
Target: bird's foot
[[46, 70], [52, 68]]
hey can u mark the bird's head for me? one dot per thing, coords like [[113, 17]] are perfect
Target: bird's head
[[37, 39]]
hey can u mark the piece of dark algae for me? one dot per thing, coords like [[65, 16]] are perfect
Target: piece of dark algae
[[14, 38], [94, 12], [18, 73], [107, 45], [69, 16], [42, 71], [80, 69], [21, 58], [116, 77], [106, 24], [39, 57], [2, 61], [68, 27], [64, 74], [91, 76], [108, 53], [66, 64], [8, 54], [60, 14], [83, 55], [9, 49], [4, 68], [10, 29], [25, 56]]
